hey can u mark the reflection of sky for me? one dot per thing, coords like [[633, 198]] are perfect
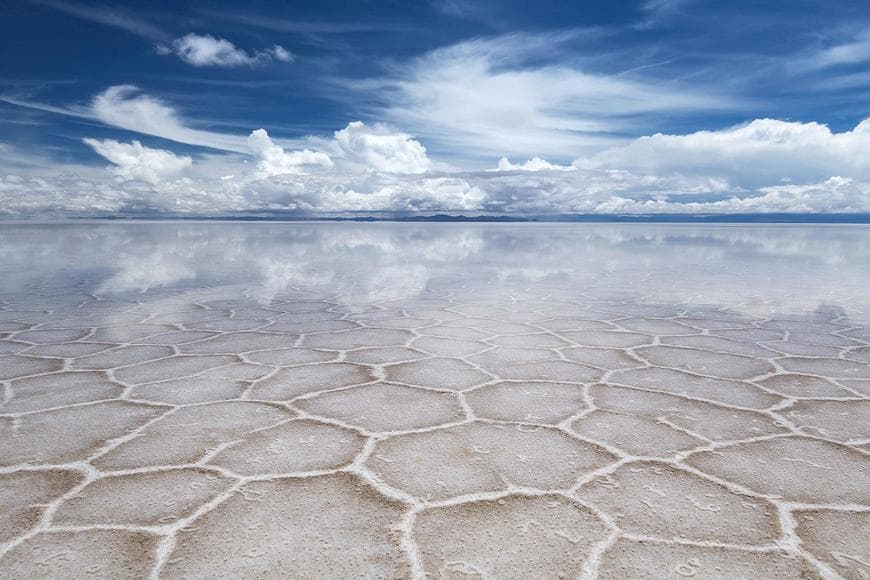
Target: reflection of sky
[[789, 267]]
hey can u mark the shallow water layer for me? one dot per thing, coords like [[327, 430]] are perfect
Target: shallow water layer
[[444, 400]]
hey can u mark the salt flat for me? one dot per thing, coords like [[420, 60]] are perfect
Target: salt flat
[[387, 400]]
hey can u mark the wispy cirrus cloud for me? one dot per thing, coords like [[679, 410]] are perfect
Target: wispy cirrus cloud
[[516, 95], [856, 50], [111, 16]]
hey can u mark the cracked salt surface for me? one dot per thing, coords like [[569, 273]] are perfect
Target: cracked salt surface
[[382, 400]]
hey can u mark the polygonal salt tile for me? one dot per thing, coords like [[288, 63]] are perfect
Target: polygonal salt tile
[[238, 342], [348, 532], [141, 499], [858, 385], [450, 347], [552, 370], [256, 313], [23, 495], [798, 469], [827, 367], [130, 332], [190, 390], [371, 317], [295, 446], [527, 402], [860, 354], [481, 457], [750, 334], [57, 390], [99, 554], [557, 324], [639, 310], [603, 358], [177, 337], [798, 349], [802, 386], [14, 365], [729, 366], [654, 326], [302, 306], [399, 322], [680, 383], [822, 339], [290, 356], [474, 310], [497, 327], [52, 336], [440, 373], [547, 536], [97, 320], [655, 499], [173, 367], [716, 343], [862, 333], [358, 338], [70, 349], [297, 326], [72, 433], [840, 539], [538, 340], [227, 324], [188, 434], [191, 316], [386, 355], [15, 346], [122, 356], [802, 326], [498, 357], [606, 338], [386, 407], [238, 371], [291, 382], [707, 420], [458, 332], [234, 303], [647, 559], [845, 421], [636, 435]]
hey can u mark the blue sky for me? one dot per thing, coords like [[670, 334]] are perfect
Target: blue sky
[[499, 107]]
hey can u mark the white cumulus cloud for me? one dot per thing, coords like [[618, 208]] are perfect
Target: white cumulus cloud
[[763, 166], [135, 161], [533, 164], [761, 153], [273, 160], [378, 148], [207, 50]]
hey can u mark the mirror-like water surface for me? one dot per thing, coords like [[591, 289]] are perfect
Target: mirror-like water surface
[[434, 400]]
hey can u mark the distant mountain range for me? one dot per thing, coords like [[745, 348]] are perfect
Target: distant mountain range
[[834, 218]]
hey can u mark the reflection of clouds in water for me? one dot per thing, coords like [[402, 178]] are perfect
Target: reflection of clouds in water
[[398, 282], [531, 274], [796, 265], [277, 276], [461, 245], [141, 274]]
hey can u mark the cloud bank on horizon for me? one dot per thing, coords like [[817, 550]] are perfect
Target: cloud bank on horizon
[[630, 113]]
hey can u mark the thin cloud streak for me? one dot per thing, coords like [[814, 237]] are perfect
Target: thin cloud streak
[[113, 17]]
